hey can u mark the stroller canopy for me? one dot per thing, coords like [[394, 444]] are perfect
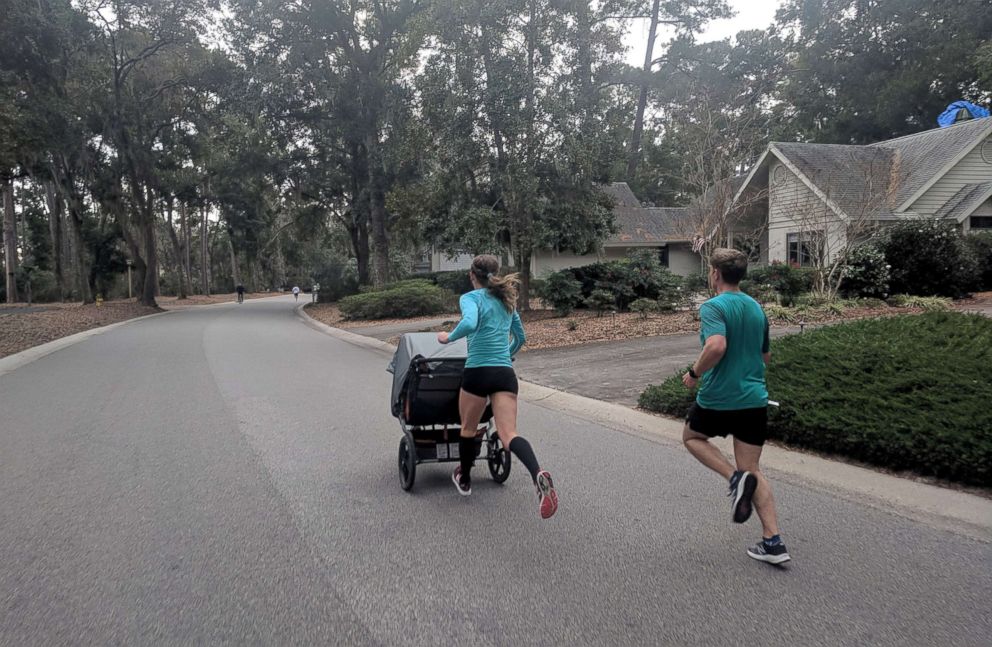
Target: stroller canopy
[[420, 345]]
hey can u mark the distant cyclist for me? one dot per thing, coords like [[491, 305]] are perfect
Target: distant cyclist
[[489, 321], [296, 293], [241, 293]]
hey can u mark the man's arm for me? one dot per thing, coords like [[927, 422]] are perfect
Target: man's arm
[[713, 351]]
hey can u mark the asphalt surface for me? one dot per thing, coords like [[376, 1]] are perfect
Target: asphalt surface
[[227, 475]]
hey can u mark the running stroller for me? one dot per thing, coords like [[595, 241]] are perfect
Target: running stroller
[[427, 377]]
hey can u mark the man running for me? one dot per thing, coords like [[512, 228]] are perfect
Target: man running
[[296, 293], [241, 293], [733, 398]]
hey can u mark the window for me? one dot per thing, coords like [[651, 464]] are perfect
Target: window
[[663, 256], [981, 222], [805, 248]]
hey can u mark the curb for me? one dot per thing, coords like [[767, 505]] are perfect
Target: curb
[[943, 508], [10, 363]]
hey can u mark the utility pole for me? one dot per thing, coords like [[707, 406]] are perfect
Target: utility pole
[[129, 264]]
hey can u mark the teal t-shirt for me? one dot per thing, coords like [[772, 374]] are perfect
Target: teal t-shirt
[[738, 380], [488, 327]]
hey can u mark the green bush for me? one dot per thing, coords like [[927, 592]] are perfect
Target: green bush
[[787, 281], [401, 300], [561, 292], [338, 277], [641, 276], [980, 246], [904, 393], [930, 304], [456, 281], [929, 258], [695, 283], [644, 307], [601, 301], [866, 273]]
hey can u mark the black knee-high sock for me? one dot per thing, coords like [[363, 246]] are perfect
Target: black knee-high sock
[[525, 453], [466, 453]]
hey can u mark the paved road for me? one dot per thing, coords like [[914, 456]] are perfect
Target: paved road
[[227, 475]]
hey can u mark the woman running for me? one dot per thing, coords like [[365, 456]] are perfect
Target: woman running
[[489, 319]]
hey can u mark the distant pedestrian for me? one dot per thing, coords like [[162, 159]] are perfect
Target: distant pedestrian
[[296, 293], [241, 293], [489, 321], [733, 398]]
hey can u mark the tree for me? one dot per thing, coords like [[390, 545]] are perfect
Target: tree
[[869, 70]]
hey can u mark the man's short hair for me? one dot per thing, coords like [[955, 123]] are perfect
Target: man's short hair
[[731, 264]]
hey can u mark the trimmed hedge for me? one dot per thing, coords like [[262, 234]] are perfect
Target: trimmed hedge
[[905, 393], [400, 300]]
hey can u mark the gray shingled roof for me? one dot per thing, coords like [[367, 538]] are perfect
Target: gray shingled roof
[[855, 178], [640, 225], [923, 155], [965, 201]]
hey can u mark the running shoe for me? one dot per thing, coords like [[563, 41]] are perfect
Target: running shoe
[[546, 495], [742, 486], [776, 554], [465, 488]]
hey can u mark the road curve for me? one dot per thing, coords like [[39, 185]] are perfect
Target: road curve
[[227, 475]]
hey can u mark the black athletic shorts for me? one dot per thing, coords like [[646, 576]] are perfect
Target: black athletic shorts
[[746, 425], [483, 381]]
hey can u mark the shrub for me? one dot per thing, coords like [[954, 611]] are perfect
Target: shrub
[[905, 393], [929, 304], [866, 273], [980, 246], [780, 313], [401, 300], [644, 307], [760, 292], [601, 301], [787, 281], [561, 292], [573, 325], [695, 283], [338, 278], [456, 282], [929, 258], [641, 276]]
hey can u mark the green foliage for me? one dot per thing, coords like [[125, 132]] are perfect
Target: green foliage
[[866, 273], [401, 300], [573, 325], [456, 281], [787, 281], [337, 277], [980, 246], [644, 307], [641, 276], [929, 304], [561, 292], [601, 301], [695, 283], [781, 313], [929, 258], [905, 393]]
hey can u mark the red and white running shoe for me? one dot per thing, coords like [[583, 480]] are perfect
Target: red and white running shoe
[[546, 494], [463, 490]]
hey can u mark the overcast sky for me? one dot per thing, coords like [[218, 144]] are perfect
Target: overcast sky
[[751, 14]]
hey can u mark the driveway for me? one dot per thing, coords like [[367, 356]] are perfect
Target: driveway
[[614, 371]]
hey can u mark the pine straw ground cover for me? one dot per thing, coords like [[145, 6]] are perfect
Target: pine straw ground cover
[[904, 393], [45, 322]]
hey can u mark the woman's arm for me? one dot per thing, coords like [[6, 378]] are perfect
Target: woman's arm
[[470, 318], [517, 331]]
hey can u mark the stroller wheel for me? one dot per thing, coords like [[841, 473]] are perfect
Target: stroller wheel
[[407, 463], [499, 461]]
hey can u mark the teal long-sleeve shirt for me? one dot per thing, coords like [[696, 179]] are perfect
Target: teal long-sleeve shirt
[[489, 329]]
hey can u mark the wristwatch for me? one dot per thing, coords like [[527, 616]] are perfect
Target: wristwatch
[[692, 374]]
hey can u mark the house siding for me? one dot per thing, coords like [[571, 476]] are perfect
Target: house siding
[[972, 169], [793, 208]]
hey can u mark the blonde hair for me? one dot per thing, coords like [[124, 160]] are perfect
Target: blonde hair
[[485, 268], [731, 264]]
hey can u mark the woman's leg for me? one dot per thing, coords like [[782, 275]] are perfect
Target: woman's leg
[[505, 412], [470, 409]]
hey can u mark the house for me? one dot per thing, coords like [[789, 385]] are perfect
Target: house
[[809, 199], [664, 230]]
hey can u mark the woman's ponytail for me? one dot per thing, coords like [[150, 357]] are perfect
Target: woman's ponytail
[[485, 267]]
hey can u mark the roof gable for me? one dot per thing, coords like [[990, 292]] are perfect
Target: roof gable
[[637, 225]]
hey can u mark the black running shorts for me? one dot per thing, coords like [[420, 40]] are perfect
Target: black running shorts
[[746, 425], [483, 381]]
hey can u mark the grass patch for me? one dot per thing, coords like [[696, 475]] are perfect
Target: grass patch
[[905, 393]]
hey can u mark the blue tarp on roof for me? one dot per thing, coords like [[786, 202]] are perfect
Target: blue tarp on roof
[[951, 116]]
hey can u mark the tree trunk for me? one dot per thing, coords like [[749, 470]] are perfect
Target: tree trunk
[[150, 287], [377, 213], [176, 248], [78, 247], [54, 199], [184, 224], [204, 256], [642, 99], [235, 272], [10, 240]]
